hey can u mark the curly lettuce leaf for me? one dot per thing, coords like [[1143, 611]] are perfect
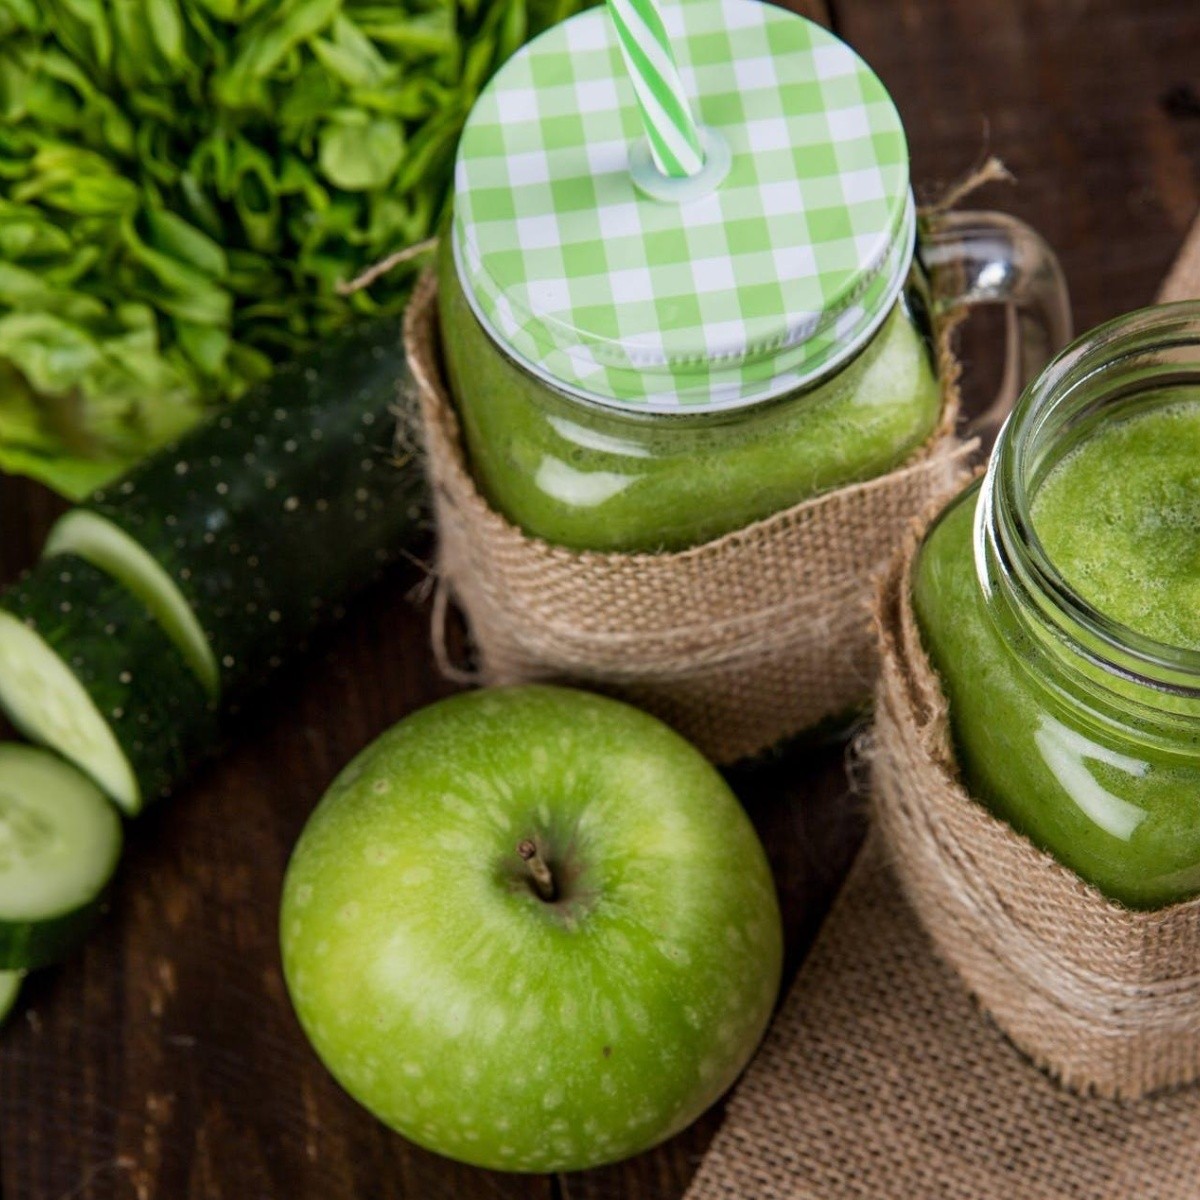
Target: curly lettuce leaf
[[185, 183]]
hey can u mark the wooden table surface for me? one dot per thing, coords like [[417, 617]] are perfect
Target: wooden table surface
[[164, 1062]]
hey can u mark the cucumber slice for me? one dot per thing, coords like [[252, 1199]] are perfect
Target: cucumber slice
[[110, 548], [60, 841], [85, 670], [262, 521], [10, 987]]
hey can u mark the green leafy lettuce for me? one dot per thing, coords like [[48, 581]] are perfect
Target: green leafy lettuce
[[184, 183]]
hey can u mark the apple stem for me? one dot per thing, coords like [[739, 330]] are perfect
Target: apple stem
[[539, 872]]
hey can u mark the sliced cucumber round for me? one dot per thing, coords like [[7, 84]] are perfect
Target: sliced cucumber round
[[85, 670], [60, 841], [10, 988], [110, 548]]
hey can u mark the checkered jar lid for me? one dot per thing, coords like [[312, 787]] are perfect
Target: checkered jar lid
[[694, 302]]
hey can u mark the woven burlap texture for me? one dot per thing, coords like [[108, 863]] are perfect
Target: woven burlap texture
[[1106, 999], [880, 1080], [739, 643]]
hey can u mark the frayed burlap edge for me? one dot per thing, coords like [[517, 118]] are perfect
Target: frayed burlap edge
[[739, 644], [1104, 998]]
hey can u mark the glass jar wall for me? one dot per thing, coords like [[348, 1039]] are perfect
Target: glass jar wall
[[589, 477]]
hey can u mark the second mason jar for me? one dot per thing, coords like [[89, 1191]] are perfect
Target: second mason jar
[[1059, 601], [641, 364]]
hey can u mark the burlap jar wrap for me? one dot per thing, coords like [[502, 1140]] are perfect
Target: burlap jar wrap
[[1106, 999], [738, 643]]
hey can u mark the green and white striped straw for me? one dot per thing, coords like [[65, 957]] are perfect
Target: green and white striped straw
[[670, 126]]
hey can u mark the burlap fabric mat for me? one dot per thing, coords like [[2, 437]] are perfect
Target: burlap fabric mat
[[881, 1079], [739, 643]]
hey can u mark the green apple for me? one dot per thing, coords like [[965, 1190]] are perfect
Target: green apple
[[532, 929]]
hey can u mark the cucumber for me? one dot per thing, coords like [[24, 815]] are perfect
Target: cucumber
[[60, 841], [85, 670], [247, 532], [10, 987], [108, 547]]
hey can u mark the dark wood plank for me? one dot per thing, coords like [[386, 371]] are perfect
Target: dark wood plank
[[814, 10], [164, 1063], [1073, 96]]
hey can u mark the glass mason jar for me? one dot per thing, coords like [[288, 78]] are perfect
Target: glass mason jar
[[1059, 600], [636, 371]]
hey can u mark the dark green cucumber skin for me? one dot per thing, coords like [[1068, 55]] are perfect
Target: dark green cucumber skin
[[158, 710], [272, 514], [25, 945]]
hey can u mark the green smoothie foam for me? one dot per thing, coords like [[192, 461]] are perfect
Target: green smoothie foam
[[588, 478], [1119, 517]]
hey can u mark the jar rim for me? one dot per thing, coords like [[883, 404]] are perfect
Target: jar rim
[[607, 289], [1086, 373], [845, 345]]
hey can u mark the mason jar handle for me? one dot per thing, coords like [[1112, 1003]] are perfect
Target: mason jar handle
[[977, 258]]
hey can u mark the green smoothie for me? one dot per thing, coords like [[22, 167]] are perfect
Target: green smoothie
[[1119, 517], [587, 477]]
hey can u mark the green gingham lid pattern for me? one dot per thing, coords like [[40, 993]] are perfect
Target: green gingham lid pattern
[[750, 291]]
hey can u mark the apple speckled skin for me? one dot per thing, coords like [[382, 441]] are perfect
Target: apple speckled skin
[[486, 1022]]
